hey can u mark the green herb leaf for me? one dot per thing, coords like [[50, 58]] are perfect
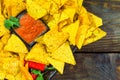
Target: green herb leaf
[[11, 23], [14, 19], [40, 78], [37, 72]]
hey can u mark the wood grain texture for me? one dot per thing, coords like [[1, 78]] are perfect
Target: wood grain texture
[[89, 67], [111, 20]]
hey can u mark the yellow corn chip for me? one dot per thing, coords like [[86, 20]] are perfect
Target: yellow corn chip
[[3, 30], [17, 7], [2, 74], [0, 7], [72, 30], [53, 39], [54, 8], [63, 2], [53, 24], [20, 76], [81, 35], [64, 54], [9, 77], [26, 73], [35, 10], [13, 7], [15, 45], [63, 16], [1, 45], [70, 12], [37, 54], [11, 65], [5, 38], [57, 64], [96, 35], [97, 20]]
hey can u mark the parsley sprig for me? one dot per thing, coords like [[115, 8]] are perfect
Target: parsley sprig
[[11, 23]]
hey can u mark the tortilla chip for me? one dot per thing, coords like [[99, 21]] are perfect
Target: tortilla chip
[[1, 45], [0, 7], [59, 65], [70, 12], [14, 9], [2, 74], [81, 35], [26, 73], [5, 38], [63, 2], [64, 54], [35, 10], [17, 7], [11, 65], [97, 20], [20, 76], [54, 8], [72, 30], [53, 39], [52, 24], [15, 45], [3, 30], [46, 4], [9, 77], [37, 54], [63, 16], [96, 35]]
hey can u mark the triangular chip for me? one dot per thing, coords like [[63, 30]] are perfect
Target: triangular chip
[[57, 64], [81, 35], [63, 16], [17, 7], [70, 12], [53, 39], [97, 20], [64, 54], [0, 7], [72, 30], [3, 30], [37, 54], [35, 10], [15, 45], [96, 35]]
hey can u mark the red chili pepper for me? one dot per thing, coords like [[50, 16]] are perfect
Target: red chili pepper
[[37, 66], [34, 76]]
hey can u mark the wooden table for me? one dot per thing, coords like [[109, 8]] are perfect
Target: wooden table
[[92, 64]]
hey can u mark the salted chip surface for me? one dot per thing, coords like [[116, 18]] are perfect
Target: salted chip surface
[[81, 35], [35, 10], [97, 20], [37, 54], [72, 30], [15, 45], [53, 39], [3, 30], [59, 65], [96, 35], [64, 54]]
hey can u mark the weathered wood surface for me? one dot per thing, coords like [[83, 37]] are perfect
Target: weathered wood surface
[[111, 20], [89, 67], [93, 62]]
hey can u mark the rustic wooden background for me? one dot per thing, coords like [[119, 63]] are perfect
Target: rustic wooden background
[[93, 62]]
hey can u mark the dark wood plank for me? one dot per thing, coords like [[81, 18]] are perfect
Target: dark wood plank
[[89, 67], [111, 20]]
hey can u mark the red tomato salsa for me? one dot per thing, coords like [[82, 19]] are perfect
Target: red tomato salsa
[[30, 28]]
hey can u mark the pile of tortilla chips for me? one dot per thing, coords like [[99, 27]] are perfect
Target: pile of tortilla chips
[[70, 24]]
